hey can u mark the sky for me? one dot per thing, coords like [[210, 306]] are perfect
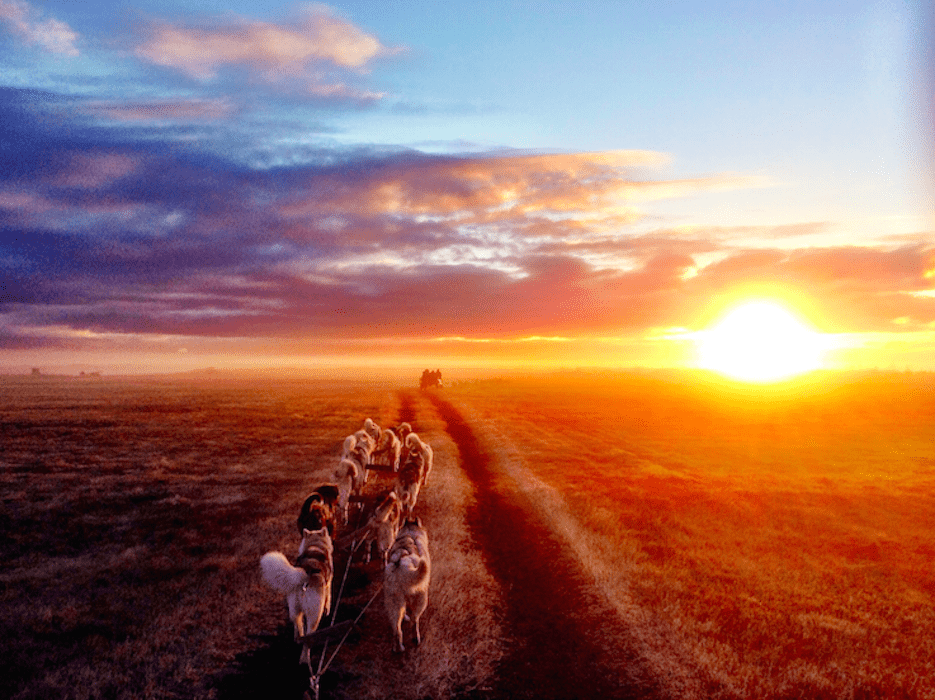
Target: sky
[[459, 184]]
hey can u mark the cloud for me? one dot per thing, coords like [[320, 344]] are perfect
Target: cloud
[[127, 230], [25, 21], [497, 186], [778, 231], [847, 288], [161, 110], [863, 268], [313, 54]]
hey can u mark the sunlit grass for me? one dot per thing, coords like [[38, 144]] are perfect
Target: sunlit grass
[[761, 543]]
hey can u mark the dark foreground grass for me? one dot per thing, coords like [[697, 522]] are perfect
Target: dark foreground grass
[[133, 514]]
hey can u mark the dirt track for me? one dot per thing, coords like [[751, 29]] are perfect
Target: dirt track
[[565, 641]]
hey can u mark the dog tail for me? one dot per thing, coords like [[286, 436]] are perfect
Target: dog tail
[[279, 574], [412, 565]]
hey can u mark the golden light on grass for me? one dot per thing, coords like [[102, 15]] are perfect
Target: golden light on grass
[[760, 341]]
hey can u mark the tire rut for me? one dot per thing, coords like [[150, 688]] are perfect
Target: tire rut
[[565, 640]]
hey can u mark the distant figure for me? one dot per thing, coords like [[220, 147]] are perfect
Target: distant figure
[[430, 379], [36, 372]]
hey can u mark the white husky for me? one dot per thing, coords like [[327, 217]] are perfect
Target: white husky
[[382, 526], [373, 430], [359, 448], [345, 475], [406, 579], [307, 586], [415, 444], [388, 450]]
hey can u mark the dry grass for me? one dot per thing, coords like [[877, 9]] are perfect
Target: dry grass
[[759, 544], [765, 543], [133, 516]]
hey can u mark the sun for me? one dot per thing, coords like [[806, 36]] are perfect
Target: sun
[[760, 341]]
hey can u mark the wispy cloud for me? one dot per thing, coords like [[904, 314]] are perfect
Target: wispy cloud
[[161, 110], [29, 24], [314, 53]]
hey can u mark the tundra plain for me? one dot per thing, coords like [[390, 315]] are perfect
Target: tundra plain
[[728, 541]]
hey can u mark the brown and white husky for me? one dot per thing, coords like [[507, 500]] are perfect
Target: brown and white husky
[[307, 586]]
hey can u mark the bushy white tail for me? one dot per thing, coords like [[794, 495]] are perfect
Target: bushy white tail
[[281, 576], [404, 563], [411, 563]]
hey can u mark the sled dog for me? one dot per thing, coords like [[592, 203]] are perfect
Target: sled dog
[[319, 509], [409, 482], [307, 586], [382, 527], [406, 579], [388, 451]]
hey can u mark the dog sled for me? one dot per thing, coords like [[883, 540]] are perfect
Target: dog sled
[[367, 522], [430, 379]]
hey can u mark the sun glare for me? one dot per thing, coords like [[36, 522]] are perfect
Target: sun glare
[[760, 341]]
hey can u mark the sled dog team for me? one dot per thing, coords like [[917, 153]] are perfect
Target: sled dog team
[[400, 538]]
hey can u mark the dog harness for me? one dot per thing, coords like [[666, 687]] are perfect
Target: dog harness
[[314, 561]]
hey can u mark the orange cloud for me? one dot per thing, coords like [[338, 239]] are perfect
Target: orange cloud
[[520, 189]]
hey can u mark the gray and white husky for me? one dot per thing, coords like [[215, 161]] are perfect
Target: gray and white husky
[[307, 586], [406, 579]]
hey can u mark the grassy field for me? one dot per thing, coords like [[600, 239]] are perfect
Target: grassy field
[[761, 542], [755, 542], [133, 515]]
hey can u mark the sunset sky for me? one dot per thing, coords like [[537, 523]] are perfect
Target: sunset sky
[[459, 184]]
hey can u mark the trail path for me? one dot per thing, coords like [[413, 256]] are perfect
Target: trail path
[[566, 641]]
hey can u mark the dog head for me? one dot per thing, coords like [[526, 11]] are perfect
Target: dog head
[[316, 513], [329, 493], [364, 439], [372, 429]]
